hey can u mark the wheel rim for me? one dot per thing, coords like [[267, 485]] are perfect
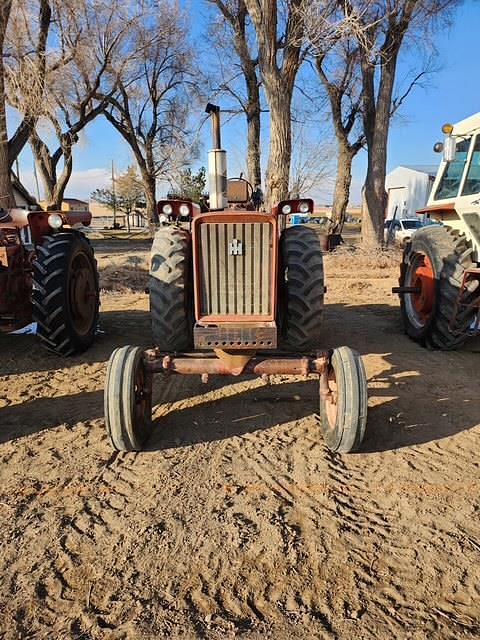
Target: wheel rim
[[82, 294], [420, 305], [331, 399]]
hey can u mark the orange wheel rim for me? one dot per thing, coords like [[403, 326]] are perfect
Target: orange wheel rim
[[421, 276], [331, 406], [424, 279]]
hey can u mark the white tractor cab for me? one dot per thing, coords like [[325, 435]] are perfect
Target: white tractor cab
[[440, 273]]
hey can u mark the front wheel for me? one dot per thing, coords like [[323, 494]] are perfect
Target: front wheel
[[343, 401], [127, 400]]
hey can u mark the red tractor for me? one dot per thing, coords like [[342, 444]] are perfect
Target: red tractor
[[48, 275], [235, 292]]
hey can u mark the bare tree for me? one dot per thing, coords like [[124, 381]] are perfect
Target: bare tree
[[19, 68], [380, 29], [151, 105], [339, 73], [311, 165], [127, 195], [89, 35], [236, 16], [6, 192], [370, 34], [279, 38]]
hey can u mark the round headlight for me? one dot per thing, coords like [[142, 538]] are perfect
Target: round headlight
[[162, 219], [167, 208], [184, 210], [303, 207], [286, 208], [55, 220]]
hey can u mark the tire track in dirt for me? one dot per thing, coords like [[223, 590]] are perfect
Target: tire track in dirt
[[238, 520]]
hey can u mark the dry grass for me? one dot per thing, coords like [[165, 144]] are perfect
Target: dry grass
[[124, 273], [128, 272], [353, 261]]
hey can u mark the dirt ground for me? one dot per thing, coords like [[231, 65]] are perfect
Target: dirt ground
[[237, 521]]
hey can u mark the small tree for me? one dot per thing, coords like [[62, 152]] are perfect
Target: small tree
[[191, 185], [311, 165], [127, 196]]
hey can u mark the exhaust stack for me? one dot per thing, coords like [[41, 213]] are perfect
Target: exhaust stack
[[217, 164]]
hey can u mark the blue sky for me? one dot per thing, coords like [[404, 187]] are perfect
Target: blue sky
[[452, 94]]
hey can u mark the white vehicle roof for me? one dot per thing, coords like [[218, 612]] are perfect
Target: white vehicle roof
[[467, 126]]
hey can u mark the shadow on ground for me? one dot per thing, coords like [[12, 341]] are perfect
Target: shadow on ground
[[410, 400]]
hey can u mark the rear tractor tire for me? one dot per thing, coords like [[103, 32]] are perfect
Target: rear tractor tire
[[65, 293], [344, 401], [301, 288], [171, 289], [434, 262], [127, 400]]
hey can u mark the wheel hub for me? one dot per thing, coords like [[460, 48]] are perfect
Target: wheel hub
[[421, 278], [330, 396], [82, 294]]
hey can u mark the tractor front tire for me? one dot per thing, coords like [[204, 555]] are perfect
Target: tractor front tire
[[171, 289], [434, 262], [344, 401], [65, 292], [301, 288], [127, 400]]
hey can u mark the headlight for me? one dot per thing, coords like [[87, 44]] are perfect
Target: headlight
[[163, 219], [303, 207], [55, 221], [184, 210], [167, 208], [286, 208]]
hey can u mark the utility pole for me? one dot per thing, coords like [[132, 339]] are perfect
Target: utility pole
[[114, 197]]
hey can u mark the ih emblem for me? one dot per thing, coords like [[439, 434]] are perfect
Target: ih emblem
[[235, 248]]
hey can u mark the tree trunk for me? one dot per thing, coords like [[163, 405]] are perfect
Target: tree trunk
[[253, 153], [150, 188], [7, 199], [376, 118], [62, 182], [253, 110], [374, 199], [342, 185], [278, 168]]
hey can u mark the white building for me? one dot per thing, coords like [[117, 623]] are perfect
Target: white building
[[408, 188]]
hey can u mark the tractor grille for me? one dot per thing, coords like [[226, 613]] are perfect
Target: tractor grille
[[235, 269]]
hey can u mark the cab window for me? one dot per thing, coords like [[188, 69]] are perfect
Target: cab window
[[452, 175], [472, 181]]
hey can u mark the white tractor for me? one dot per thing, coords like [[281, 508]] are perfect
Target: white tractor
[[440, 273]]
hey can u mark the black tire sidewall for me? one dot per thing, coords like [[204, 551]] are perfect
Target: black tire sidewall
[[352, 400], [124, 432]]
